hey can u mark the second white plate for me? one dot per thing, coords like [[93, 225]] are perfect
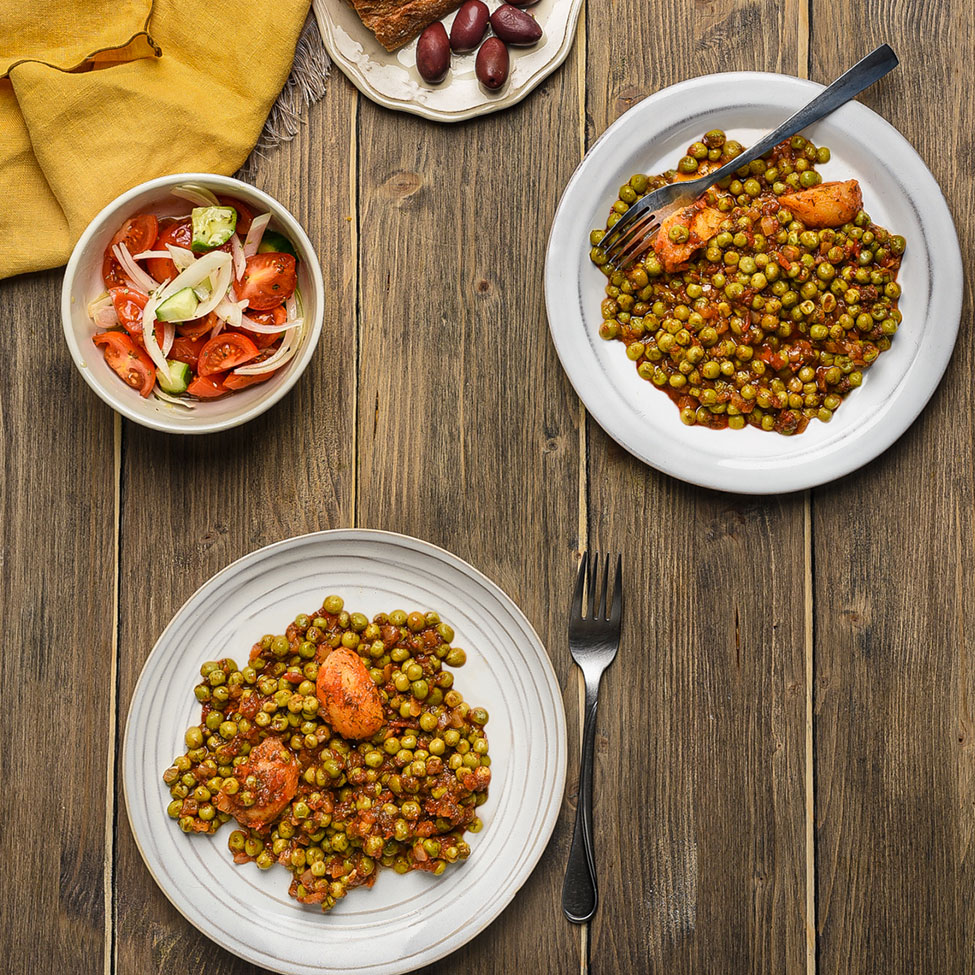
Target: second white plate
[[390, 78], [898, 192], [402, 923]]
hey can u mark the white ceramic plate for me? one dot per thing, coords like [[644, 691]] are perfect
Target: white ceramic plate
[[402, 923], [391, 79], [899, 193]]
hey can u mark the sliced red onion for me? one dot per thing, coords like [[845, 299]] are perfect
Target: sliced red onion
[[175, 400], [253, 326], [142, 280], [230, 309], [102, 312], [285, 353], [145, 255], [237, 252], [149, 336], [197, 194], [256, 232], [182, 257]]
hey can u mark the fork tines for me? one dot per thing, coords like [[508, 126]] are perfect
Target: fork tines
[[626, 248], [596, 604]]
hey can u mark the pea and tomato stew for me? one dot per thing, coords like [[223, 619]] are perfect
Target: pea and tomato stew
[[199, 305], [762, 303], [340, 748]]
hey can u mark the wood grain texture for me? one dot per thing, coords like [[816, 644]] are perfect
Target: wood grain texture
[[436, 406], [468, 429], [213, 499], [702, 716], [57, 516], [894, 578]]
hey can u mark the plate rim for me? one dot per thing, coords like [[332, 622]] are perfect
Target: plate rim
[[799, 476], [548, 824], [489, 103]]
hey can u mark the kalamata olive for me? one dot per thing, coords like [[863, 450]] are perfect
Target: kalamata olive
[[491, 63], [469, 26], [433, 53], [514, 26]]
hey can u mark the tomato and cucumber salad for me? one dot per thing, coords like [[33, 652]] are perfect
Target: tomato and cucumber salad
[[219, 289]]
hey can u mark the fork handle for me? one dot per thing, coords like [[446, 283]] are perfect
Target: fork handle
[[861, 76], [579, 893]]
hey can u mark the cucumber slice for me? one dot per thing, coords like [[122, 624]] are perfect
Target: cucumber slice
[[275, 243], [212, 227], [180, 307], [178, 379]]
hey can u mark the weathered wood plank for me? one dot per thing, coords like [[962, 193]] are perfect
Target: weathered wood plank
[[57, 551], [700, 788], [216, 498], [468, 429], [895, 679]]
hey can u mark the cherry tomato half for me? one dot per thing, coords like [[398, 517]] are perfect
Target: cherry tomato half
[[226, 351], [233, 381], [129, 305], [208, 387], [276, 316], [138, 234], [179, 234], [130, 362], [268, 281], [197, 327], [187, 350]]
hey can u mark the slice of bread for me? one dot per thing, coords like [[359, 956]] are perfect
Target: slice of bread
[[395, 22]]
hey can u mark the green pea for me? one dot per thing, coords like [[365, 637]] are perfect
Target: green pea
[[456, 657], [445, 632], [678, 233], [639, 183], [280, 646]]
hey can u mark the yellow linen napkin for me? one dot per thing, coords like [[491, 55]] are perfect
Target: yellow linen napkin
[[96, 97]]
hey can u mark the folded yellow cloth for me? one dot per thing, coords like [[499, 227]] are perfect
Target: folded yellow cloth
[[98, 96]]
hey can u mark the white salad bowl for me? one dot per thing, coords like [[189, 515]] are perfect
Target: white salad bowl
[[83, 282]]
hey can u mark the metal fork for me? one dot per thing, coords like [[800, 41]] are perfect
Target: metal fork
[[633, 233], [594, 638]]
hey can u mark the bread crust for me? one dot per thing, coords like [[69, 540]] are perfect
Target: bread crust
[[396, 22]]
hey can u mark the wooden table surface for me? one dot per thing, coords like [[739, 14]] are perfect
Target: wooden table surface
[[785, 778]]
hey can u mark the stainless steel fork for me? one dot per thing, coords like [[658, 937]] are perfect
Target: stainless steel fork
[[633, 233], [594, 638]]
